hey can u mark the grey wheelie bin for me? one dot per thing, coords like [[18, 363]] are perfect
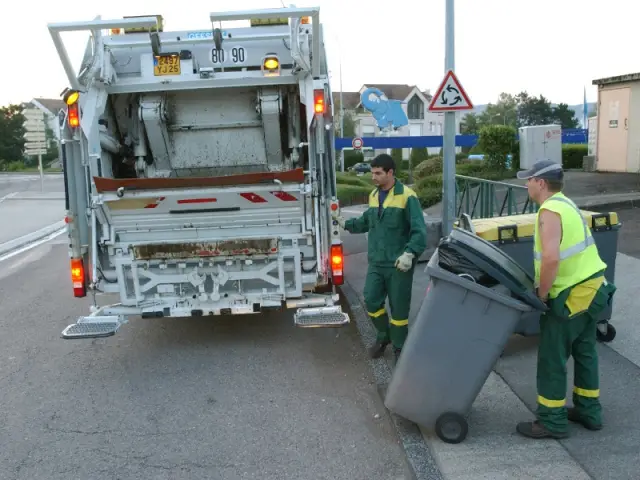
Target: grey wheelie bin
[[459, 333], [514, 235]]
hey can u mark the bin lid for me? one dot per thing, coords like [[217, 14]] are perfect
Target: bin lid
[[495, 263], [522, 226]]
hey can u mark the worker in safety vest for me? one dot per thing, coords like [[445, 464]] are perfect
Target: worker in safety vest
[[397, 238], [569, 275]]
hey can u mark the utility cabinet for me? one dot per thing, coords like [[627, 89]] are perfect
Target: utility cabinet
[[540, 142]]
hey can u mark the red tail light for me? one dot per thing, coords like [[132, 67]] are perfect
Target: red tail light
[[78, 278], [318, 101], [73, 115], [337, 264]]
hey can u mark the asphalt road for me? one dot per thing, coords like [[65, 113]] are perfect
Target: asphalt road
[[237, 398], [11, 183], [26, 205]]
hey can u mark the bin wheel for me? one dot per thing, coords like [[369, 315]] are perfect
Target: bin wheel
[[609, 333], [452, 427]]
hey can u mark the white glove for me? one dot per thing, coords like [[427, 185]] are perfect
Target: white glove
[[338, 219], [405, 262]]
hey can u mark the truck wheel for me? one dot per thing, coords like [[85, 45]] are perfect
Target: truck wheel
[[452, 427]]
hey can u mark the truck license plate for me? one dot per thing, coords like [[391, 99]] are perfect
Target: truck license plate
[[166, 65]]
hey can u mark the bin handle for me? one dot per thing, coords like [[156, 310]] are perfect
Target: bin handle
[[467, 275]]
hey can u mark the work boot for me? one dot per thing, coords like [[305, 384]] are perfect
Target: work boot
[[575, 417], [537, 430], [396, 354], [378, 348]]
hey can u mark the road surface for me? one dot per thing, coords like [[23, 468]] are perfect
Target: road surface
[[239, 398], [27, 206]]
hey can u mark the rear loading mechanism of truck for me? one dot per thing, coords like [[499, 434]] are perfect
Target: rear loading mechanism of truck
[[199, 170]]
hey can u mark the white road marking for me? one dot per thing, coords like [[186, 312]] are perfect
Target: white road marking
[[9, 195], [28, 247]]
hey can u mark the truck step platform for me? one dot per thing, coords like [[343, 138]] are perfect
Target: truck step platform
[[320, 317], [92, 327]]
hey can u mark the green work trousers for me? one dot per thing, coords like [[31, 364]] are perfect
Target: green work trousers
[[380, 283], [561, 337]]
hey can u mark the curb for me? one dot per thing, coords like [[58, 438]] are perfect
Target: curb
[[419, 456], [16, 243], [620, 204]]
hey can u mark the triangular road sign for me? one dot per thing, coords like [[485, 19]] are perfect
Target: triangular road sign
[[450, 96]]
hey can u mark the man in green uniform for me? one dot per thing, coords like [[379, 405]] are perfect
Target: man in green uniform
[[397, 238], [569, 275]]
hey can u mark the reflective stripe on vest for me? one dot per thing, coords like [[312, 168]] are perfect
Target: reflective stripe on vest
[[578, 247]]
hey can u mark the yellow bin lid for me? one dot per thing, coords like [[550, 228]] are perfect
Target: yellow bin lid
[[512, 227]]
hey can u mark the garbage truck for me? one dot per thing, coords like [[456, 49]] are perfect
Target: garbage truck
[[199, 170]]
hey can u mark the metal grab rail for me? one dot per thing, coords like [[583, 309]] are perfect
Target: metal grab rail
[[55, 29], [480, 198], [288, 12]]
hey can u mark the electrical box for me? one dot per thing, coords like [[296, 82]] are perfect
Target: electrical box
[[540, 142]]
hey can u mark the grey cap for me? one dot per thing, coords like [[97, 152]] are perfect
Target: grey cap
[[545, 169]]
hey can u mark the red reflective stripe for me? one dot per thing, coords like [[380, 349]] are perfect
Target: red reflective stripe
[[154, 205], [284, 196], [198, 200], [253, 198]]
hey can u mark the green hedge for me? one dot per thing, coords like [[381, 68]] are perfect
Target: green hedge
[[353, 194], [572, 155], [428, 167], [348, 178], [353, 190]]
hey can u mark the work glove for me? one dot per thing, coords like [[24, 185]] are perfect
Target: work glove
[[338, 219], [405, 262]]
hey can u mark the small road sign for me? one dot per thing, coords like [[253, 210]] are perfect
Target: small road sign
[[357, 143], [450, 96]]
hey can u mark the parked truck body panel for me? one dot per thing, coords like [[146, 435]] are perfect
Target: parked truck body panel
[[200, 170]]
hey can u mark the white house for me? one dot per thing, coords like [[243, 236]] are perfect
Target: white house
[[415, 105]]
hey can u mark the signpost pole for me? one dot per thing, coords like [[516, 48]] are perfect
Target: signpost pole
[[449, 138], [41, 172]]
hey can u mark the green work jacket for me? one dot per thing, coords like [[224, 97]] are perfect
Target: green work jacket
[[395, 228]]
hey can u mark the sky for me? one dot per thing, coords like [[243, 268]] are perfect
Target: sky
[[549, 47]]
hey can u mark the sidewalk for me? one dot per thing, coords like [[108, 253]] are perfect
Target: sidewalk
[[492, 449]]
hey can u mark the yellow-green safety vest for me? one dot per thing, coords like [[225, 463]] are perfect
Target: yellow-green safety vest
[[579, 257]]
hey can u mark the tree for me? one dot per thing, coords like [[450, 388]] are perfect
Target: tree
[[349, 125], [11, 133], [534, 110], [503, 112], [566, 117], [469, 124], [496, 142]]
